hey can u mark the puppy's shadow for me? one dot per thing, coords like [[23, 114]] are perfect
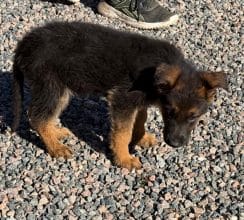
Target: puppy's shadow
[[6, 114], [87, 3], [5, 100], [87, 118]]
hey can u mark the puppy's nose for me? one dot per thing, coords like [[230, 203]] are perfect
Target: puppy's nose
[[176, 141]]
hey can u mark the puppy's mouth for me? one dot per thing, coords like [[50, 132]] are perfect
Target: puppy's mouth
[[174, 142]]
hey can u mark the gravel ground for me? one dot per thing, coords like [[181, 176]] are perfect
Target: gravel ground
[[202, 181]]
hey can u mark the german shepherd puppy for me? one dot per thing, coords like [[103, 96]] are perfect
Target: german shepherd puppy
[[134, 72]]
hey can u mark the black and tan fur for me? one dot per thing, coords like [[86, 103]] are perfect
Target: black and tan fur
[[63, 59]]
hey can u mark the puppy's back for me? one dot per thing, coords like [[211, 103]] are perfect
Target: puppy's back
[[96, 55]]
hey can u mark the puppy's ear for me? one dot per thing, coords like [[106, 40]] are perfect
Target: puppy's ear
[[212, 81], [165, 77]]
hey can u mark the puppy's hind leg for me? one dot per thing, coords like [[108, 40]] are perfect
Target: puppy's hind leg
[[64, 101], [45, 107]]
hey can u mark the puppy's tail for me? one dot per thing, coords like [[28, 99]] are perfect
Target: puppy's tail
[[18, 93]]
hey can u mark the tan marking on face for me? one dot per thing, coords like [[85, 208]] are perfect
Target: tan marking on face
[[201, 92], [193, 111]]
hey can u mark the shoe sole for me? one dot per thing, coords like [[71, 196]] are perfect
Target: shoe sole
[[73, 1], [109, 11]]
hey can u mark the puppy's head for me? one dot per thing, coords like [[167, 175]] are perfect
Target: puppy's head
[[183, 95]]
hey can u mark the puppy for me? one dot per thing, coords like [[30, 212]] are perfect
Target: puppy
[[134, 72]]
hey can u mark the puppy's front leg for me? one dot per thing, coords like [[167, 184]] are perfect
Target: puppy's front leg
[[120, 138], [123, 111]]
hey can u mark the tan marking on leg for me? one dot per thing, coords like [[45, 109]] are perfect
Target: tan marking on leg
[[63, 133], [139, 136], [120, 137], [63, 103], [50, 136]]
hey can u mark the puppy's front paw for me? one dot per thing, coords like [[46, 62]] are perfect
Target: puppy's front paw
[[129, 163], [61, 151], [148, 140]]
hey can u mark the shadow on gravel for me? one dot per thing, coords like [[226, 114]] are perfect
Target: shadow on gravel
[[87, 3], [6, 115], [87, 118], [5, 105]]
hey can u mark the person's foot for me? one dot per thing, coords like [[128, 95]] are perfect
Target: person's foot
[[145, 14]]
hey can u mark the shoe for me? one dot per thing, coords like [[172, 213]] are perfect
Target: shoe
[[144, 14], [73, 1]]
